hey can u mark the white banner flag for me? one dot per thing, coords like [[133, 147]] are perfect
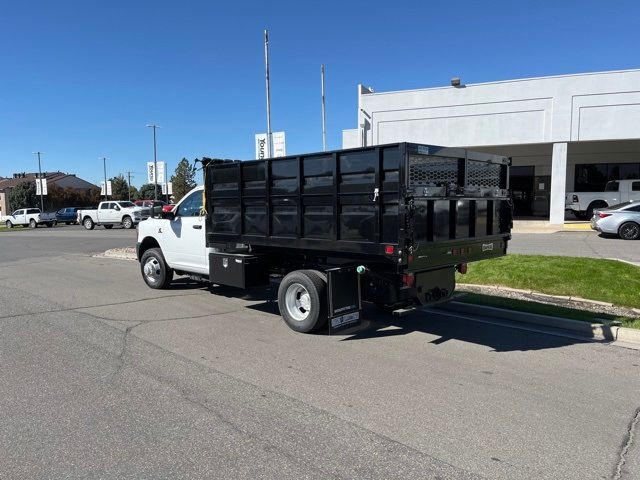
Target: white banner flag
[[167, 186], [41, 185], [151, 174], [108, 188], [162, 168], [278, 141]]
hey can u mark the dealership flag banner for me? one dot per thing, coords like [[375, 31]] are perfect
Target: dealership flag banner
[[41, 186], [167, 188], [151, 174], [108, 188], [279, 145]]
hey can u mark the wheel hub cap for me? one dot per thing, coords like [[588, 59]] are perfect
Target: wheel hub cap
[[298, 302], [152, 270]]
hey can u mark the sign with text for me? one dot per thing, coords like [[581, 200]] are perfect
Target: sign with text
[[151, 177], [108, 188], [41, 186], [167, 187], [279, 145]]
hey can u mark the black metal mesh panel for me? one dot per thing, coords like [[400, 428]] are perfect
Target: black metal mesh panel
[[432, 171], [482, 174]]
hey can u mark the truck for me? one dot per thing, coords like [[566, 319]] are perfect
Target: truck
[[388, 224], [113, 212], [582, 204], [31, 217]]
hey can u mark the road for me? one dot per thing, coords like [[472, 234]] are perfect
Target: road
[[104, 378]]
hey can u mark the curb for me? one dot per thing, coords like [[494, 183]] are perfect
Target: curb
[[120, 253], [589, 331]]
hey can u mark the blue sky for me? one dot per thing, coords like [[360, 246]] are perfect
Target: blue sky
[[79, 80]]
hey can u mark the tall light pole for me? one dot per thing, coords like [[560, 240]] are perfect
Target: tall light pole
[[268, 86], [104, 166], [155, 161], [40, 180], [324, 130]]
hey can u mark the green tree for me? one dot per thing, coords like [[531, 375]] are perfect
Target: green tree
[[119, 188], [23, 195], [183, 180], [146, 191], [135, 194]]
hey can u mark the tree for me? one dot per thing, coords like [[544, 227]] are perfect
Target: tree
[[146, 191], [135, 194], [183, 180], [23, 195], [119, 188]]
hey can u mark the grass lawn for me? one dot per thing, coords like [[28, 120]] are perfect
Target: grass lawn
[[591, 278], [544, 309]]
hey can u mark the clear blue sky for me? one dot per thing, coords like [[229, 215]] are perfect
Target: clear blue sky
[[79, 80]]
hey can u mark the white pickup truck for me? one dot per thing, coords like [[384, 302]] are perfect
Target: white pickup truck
[[582, 204], [31, 217], [112, 213]]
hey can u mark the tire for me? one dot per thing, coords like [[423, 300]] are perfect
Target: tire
[[302, 300], [592, 207], [88, 223], [629, 231], [127, 222], [33, 223], [108, 226], [155, 271], [8, 224]]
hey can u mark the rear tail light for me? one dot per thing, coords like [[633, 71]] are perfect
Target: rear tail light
[[575, 199], [408, 279], [388, 249], [462, 268], [603, 215]]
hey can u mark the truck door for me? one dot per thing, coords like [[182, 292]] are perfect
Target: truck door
[[20, 216], [184, 239]]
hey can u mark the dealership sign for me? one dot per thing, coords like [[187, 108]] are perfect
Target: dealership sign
[[279, 145], [151, 177], [41, 186], [108, 188]]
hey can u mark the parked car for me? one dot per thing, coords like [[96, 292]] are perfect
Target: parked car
[[622, 220], [68, 215], [168, 207], [31, 217], [583, 204], [149, 203], [112, 213]]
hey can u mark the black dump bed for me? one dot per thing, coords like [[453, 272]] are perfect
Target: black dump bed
[[413, 205]]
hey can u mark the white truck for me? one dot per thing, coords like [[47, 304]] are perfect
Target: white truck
[[582, 204], [31, 217], [113, 212]]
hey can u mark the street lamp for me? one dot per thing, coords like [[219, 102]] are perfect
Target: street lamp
[[40, 180], [155, 161], [104, 166]]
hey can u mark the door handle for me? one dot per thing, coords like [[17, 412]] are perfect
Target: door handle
[[197, 227]]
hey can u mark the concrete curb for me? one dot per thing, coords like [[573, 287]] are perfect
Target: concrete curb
[[128, 253], [589, 331]]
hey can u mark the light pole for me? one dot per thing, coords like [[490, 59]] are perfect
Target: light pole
[[324, 130], [40, 180], [104, 166], [155, 161]]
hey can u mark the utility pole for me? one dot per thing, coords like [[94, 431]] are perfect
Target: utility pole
[[129, 184], [266, 67], [104, 166], [40, 180], [155, 162], [324, 130]]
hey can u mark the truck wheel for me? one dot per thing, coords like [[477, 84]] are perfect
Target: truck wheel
[[629, 231], [155, 271], [127, 222], [302, 300], [88, 223], [8, 224], [592, 207], [33, 223], [108, 226]]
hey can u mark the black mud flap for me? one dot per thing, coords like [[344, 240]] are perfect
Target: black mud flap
[[343, 291]]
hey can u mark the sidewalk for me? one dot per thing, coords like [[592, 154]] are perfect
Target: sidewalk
[[543, 226]]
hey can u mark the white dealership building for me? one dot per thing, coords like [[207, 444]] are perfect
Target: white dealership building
[[563, 133]]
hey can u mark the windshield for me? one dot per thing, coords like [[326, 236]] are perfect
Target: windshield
[[611, 187], [126, 204]]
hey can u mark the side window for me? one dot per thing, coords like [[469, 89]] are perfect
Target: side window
[[33, 210], [635, 186], [191, 205], [634, 209], [105, 206]]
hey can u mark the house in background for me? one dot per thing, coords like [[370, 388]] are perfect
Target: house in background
[[60, 179]]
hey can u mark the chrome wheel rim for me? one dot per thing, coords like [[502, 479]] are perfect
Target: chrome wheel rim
[[298, 302], [127, 223], [152, 270], [629, 231], [87, 223]]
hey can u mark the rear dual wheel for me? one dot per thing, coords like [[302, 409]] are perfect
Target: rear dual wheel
[[302, 300]]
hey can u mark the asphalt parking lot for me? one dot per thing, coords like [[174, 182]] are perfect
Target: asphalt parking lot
[[104, 378]]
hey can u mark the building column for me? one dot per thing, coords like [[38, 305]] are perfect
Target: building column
[[558, 183]]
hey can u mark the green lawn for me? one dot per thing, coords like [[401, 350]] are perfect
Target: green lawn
[[544, 309], [591, 278]]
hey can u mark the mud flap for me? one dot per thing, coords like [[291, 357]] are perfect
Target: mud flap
[[344, 300]]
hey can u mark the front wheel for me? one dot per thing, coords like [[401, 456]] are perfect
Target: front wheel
[[127, 222], [302, 300], [88, 223], [155, 271], [8, 224], [629, 231], [33, 223]]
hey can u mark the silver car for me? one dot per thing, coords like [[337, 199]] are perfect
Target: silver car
[[622, 220]]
